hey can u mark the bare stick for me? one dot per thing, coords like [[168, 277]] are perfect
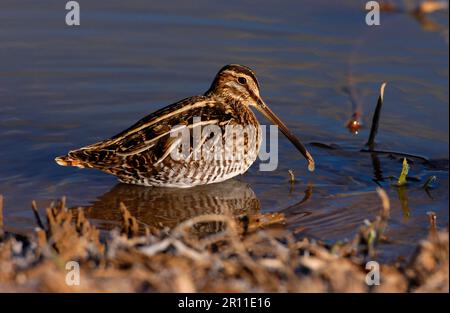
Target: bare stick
[[376, 119]]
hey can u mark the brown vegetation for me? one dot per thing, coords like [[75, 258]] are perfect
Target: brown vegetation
[[236, 257]]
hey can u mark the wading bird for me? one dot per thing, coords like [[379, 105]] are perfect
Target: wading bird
[[142, 154]]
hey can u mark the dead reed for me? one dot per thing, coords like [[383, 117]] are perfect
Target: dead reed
[[238, 257]]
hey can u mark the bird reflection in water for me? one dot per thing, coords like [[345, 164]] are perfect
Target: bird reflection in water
[[167, 207]]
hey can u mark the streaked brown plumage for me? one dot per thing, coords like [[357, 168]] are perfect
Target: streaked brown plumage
[[142, 154]]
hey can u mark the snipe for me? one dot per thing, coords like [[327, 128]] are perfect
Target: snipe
[[143, 154]]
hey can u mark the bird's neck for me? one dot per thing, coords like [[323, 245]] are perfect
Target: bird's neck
[[240, 110]]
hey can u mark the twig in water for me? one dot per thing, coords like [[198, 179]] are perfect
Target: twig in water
[[291, 176], [429, 182], [36, 215], [376, 119]]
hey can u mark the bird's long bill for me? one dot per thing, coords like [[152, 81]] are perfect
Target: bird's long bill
[[268, 113]]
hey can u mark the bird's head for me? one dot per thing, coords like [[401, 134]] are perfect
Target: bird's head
[[238, 83]]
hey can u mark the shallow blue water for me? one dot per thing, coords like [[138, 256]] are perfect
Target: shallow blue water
[[64, 87]]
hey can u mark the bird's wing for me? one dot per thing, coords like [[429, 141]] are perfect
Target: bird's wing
[[156, 132]]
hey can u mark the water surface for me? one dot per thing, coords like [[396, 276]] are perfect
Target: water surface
[[64, 87]]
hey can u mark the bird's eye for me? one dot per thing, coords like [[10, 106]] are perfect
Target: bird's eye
[[242, 80]]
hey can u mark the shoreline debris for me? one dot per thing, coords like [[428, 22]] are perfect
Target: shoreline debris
[[261, 259]]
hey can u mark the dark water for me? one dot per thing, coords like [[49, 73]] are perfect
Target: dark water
[[64, 87]]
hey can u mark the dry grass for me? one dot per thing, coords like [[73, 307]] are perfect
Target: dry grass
[[234, 258]]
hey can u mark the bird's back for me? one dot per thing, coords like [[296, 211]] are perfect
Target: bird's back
[[143, 153]]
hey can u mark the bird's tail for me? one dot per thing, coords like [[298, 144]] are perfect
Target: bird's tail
[[92, 156], [67, 160]]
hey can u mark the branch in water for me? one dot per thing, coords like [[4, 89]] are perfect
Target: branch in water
[[376, 119]]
